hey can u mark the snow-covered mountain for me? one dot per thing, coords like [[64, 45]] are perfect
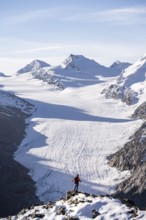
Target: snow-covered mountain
[[83, 65], [117, 67], [37, 69], [130, 86], [74, 129], [33, 66], [76, 70]]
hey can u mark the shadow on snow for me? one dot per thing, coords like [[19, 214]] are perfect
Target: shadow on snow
[[47, 110]]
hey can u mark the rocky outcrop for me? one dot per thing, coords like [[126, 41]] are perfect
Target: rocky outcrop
[[132, 157], [81, 206], [47, 77], [130, 84], [8, 99], [16, 186], [140, 112], [116, 91]]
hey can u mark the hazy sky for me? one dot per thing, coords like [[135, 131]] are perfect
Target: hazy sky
[[103, 30]]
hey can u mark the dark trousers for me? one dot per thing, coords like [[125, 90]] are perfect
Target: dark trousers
[[76, 187]]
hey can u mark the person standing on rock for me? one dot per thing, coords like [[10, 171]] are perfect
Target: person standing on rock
[[76, 181]]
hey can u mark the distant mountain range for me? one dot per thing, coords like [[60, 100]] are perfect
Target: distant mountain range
[[76, 70], [79, 64]]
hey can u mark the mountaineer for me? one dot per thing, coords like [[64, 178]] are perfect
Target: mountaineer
[[76, 181]]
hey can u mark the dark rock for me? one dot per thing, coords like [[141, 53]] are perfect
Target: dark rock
[[72, 218], [61, 211], [16, 186], [70, 194], [140, 112], [129, 202], [37, 215], [133, 212], [131, 157], [95, 213]]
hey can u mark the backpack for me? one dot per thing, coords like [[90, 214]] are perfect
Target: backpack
[[77, 180]]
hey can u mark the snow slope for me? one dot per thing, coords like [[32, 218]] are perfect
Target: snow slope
[[117, 67], [34, 65], [72, 131]]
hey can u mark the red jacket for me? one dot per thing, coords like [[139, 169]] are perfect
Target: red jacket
[[77, 179]]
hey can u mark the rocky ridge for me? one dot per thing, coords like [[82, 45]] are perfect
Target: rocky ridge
[[81, 205], [16, 186], [47, 77], [11, 100], [84, 71], [126, 86], [132, 157]]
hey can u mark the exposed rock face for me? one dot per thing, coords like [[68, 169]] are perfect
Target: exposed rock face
[[9, 99], [126, 86], [132, 157], [116, 91], [140, 112], [16, 187], [50, 79]]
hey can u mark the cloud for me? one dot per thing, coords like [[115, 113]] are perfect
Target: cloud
[[28, 16], [40, 49], [123, 16]]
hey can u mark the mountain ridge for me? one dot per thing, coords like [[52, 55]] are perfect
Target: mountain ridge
[[76, 70], [130, 84]]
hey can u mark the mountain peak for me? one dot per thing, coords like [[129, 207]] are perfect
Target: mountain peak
[[120, 65], [72, 61], [79, 63], [117, 62], [35, 64], [39, 63]]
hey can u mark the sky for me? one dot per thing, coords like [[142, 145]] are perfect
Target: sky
[[105, 31]]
